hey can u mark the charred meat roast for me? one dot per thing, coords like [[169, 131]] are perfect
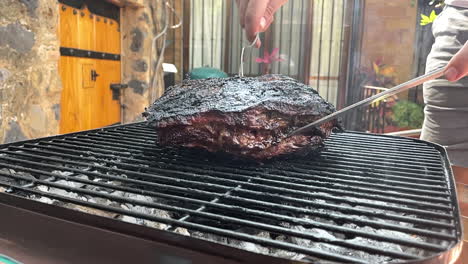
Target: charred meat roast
[[248, 117]]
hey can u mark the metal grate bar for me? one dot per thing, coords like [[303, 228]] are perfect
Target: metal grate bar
[[242, 222], [342, 218], [149, 134], [147, 176], [426, 185], [335, 178], [212, 202], [151, 160], [384, 144], [409, 160], [385, 187], [111, 146], [394, 147], [352, 175], [360, 164], [385, 162], [351, 190], [393, 153], [160, 186], [416, 175], [117, 139], [423, 213], [352, 167], [421, 203], [342, 209], [431, 162], [203, 228], [226, 196]]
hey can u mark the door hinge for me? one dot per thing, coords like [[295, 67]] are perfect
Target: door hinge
[[116, 87], [94, 75]]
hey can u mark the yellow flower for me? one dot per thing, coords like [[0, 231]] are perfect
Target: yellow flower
[[376, 68], [387, 71], [428, 19]]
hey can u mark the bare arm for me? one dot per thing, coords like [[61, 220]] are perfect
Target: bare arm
[[457, 68]]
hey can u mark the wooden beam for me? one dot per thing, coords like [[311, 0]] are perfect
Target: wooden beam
[[126, 3], [119, 3]]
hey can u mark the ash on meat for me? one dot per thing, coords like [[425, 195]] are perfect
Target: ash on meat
[[247, 117]]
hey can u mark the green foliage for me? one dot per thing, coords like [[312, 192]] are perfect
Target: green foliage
[[425, 20], [408, 114]]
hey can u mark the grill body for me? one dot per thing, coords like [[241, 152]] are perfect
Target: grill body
[[360, 180]]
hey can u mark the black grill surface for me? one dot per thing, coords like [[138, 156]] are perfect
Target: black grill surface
[[365, 199]]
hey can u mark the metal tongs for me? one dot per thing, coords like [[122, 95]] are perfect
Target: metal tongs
[[397, 89], [241, 66]]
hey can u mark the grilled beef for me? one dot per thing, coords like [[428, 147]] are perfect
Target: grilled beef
[[248, 117]]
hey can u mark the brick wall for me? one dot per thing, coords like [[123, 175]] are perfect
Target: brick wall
[[389, 32]]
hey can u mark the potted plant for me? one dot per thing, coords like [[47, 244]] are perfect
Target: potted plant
[[406, 115]]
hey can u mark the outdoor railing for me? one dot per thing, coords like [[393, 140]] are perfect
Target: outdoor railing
[[374, 115]]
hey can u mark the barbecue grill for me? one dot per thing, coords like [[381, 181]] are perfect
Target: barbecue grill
[[112, 194]]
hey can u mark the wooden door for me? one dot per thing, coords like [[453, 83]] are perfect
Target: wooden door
[[89, 64]]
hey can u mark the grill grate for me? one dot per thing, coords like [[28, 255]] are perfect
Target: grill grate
[[365, 199]]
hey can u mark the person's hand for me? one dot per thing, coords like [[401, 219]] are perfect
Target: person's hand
[[457, 67], [257, 15]]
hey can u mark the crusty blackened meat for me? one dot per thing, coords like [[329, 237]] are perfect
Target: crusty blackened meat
[[248, 117]]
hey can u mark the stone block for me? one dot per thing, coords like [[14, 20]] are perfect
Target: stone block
[[37, 119], [137, 40], [14, 133], [140, 65], [138, 86], [31, 5], [4, 75], [16, 37]]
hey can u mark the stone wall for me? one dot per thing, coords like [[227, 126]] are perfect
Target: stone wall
[[142, 22], [389, 32], [30, 85], [29, 80]]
